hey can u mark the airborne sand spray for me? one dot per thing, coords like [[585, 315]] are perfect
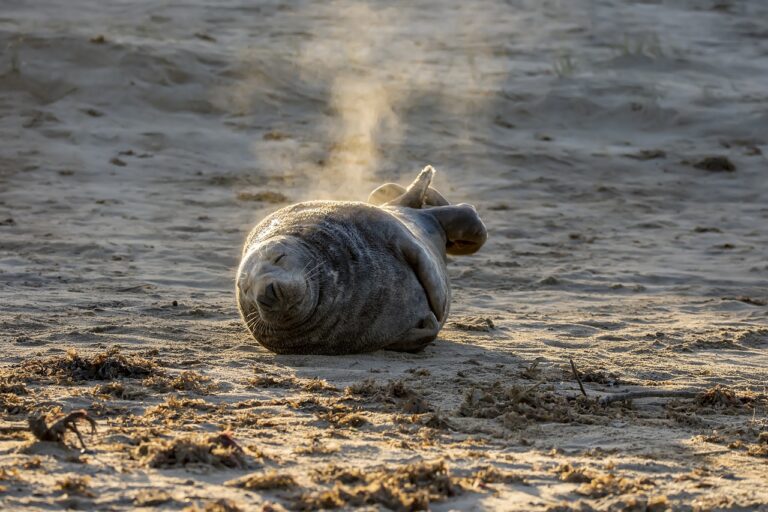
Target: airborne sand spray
[[358, 67], [362, 101]]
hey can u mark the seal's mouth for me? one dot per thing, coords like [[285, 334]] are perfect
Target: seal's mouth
[[273, 297], [277, 292]]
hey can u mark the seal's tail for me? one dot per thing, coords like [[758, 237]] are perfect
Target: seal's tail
[[417, 195]]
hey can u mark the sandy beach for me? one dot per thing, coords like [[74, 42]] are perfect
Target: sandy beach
[[616, 151]]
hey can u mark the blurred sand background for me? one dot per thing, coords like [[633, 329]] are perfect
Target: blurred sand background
[[615, 149]]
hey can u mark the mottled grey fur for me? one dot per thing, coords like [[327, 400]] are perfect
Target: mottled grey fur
[[333, 277]]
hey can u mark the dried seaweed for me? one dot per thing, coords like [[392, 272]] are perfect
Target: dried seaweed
[[315, 385], [724, 399], [493, 475], [517, 406], [73, 367], [120, 390], [270, 381], [76, 485], [188, 381], [11, 403], [568, 473], [609, 484], [217, 451], [334, 473], [473, 323], [220, 505], [9, 385], [394, 392], [152, 498], [367, 388], [176, 408], [596, 484], [721, 400], [264, 481], [752, 437], [409, 487], [342, 418], [317, 447]]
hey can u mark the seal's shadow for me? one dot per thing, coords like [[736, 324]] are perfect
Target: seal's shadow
[[441, 361]]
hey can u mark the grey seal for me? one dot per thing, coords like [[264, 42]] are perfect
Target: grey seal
[[341, 277]]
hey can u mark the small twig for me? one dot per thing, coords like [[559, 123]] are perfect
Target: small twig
[[56, 431], [578, 379], [528, 390], [661, 393], [712, 452]]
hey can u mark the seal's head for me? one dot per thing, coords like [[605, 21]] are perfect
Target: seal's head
[[275, 285]]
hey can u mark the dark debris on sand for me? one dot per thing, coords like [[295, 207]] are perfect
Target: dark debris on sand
[[56, 430], [473, 323], [394, 392], [220, 451], [715, 164], [750, 437], [267, 480], [722, 400], [74, 367], [517, 406], [408, 487]]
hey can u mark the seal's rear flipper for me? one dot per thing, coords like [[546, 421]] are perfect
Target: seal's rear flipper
[[417, 195], [464, 231], [417, 338], [414, 194], [386, 193]]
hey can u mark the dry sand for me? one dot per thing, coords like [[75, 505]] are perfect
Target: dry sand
[[141, 141]]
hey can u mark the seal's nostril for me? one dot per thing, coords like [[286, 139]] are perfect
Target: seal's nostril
[[270, 291], [269, 297]]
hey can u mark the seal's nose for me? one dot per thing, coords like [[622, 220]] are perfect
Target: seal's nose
[[269, 297]]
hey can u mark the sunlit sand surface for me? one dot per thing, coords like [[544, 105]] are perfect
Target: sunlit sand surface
[[615, 150]]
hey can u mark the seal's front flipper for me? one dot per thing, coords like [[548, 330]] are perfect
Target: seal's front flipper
[[464, 231], [418, 337], [436, 288]]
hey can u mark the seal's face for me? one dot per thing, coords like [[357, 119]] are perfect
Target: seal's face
[[274, 284]]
